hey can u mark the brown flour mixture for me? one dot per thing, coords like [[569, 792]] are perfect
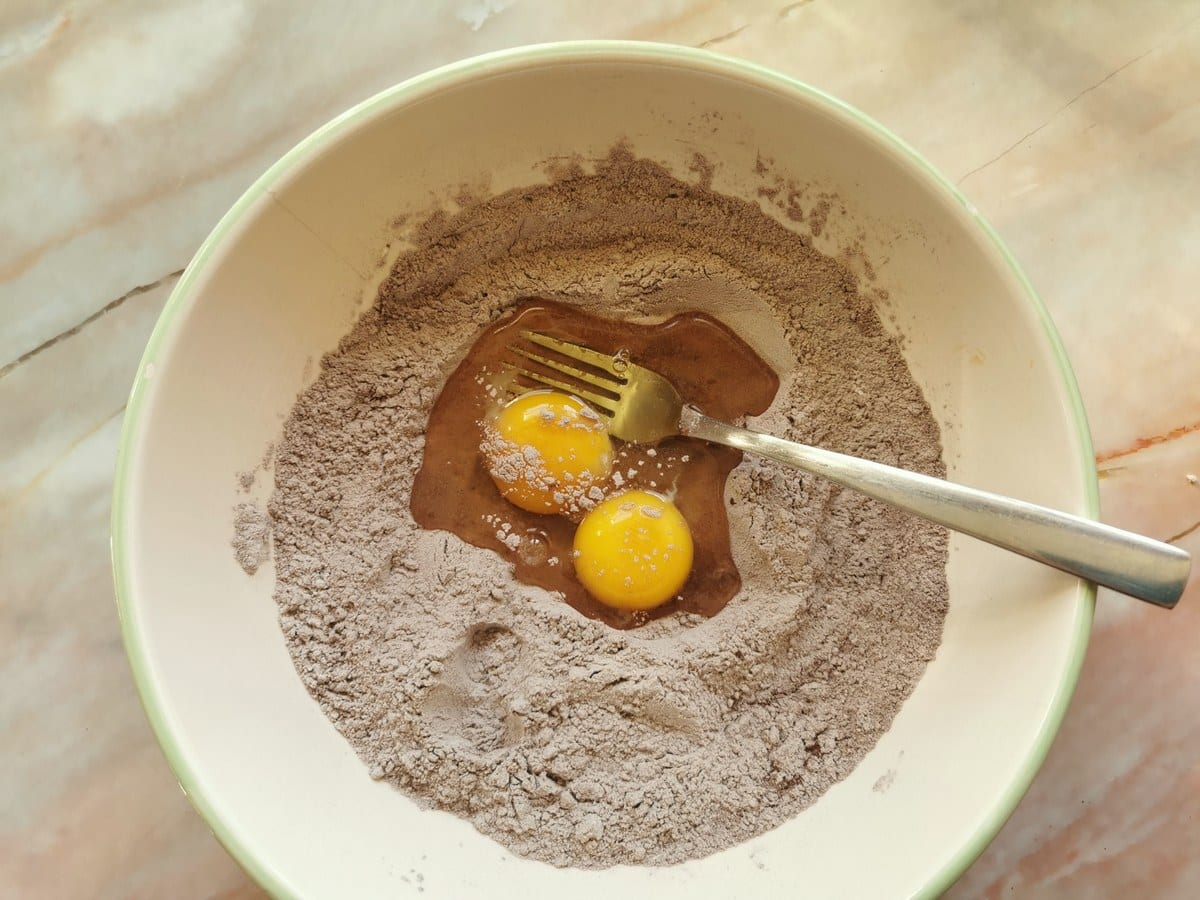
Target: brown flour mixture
[[560, 737]]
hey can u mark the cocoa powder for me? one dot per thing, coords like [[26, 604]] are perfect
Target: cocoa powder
[[562, 738]]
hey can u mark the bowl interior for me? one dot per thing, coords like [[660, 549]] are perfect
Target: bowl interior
[[282, 279]]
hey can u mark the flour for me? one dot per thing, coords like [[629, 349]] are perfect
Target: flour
[[251, 535], [562, 738], [511, 463]]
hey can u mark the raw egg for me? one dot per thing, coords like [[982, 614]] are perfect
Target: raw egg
[[633, 551], [547, 451]]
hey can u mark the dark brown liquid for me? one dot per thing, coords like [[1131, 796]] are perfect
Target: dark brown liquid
[[712, 369]]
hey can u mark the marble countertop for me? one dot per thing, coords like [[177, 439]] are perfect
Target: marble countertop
[[127, 129]]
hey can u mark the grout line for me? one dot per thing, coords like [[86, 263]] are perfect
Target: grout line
[[1144, 443], [722, 38], [1183, 534], [1117, 71], [783, 13], [104, 310]]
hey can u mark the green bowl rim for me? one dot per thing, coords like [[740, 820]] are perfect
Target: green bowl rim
[[260, 870]]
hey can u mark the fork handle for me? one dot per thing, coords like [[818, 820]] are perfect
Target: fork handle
[[1129, 563]]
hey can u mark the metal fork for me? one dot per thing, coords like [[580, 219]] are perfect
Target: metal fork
[[643, 407]]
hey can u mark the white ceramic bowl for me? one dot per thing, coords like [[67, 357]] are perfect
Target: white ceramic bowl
[[283, 276]]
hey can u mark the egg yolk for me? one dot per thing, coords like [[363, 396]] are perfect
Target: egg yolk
[[546, 451], [633, 551]]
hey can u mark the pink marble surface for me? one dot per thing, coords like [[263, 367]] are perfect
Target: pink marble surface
[[127, 128]]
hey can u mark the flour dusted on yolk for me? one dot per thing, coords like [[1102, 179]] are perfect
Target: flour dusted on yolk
[[633, 551], [548, 452]]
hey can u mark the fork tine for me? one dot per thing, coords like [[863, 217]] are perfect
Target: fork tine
[[599, 381], [604, 405], [595, 358]]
